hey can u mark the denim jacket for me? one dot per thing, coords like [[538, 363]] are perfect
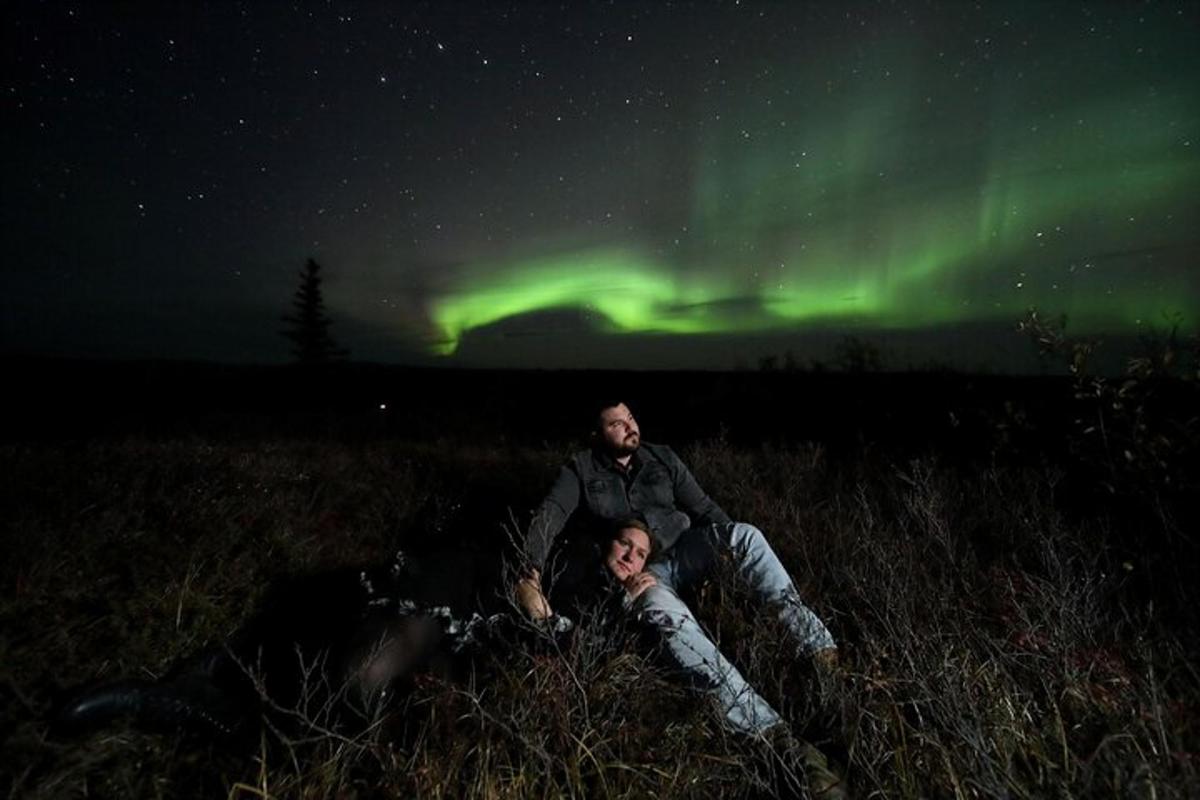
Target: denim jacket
[[658, 488]]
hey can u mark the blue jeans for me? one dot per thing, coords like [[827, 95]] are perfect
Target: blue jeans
[[695, 557]]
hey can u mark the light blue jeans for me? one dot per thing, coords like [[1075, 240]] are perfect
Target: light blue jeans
[[695, 557]]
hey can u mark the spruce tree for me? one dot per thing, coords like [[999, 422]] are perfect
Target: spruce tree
[[308, 324]]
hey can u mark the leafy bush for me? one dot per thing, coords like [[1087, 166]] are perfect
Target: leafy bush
[[1140, 429]]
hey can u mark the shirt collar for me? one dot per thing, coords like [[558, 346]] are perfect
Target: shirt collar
[[611, 463]]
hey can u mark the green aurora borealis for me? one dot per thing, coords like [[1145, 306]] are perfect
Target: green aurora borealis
[[879, 204], [644, 184]]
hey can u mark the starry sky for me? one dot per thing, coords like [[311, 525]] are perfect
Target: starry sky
[[617, 184]]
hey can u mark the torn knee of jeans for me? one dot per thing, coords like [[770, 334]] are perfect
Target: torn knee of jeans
[[660, 620], [788, 597]]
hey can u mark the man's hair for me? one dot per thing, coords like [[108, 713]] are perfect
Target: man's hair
[[599, 407], [634, 522]]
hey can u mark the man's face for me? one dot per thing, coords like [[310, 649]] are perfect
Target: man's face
[[619, 430], [627, 553]]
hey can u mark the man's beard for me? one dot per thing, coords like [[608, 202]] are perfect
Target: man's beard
[[629, 446]]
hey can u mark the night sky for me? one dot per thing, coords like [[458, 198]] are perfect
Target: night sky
[[617, 184]]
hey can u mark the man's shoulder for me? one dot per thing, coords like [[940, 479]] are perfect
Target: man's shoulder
[[581, 455], [657, 453], [660, 452], [581, 461]]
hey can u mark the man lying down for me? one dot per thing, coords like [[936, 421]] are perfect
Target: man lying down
[[333, 646], [337, 646]]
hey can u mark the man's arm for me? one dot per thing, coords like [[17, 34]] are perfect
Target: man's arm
[[548, 522], [551, 516], [529, 596], [690, 498]]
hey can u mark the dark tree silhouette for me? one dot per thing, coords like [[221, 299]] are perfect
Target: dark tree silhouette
[[308, 324]]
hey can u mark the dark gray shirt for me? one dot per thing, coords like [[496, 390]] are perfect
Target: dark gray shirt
[[656, 487]]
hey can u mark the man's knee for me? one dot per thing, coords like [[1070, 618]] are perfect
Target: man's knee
[[745, 530], [661, 607], [659, 597], [746, 539]]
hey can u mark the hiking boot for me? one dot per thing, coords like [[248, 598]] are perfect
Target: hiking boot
[[804, 770], [820, 779], [89, 710], [191, 703]]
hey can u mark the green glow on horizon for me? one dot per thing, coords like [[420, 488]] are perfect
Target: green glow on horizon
[[632, 294], [866, 208]]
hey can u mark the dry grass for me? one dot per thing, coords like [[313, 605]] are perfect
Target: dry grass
[[1003, 640]]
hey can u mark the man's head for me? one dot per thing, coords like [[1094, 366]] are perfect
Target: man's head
[[629, 548], [616, 430]]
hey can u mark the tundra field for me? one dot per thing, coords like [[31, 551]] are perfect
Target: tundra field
[[1017, 620]]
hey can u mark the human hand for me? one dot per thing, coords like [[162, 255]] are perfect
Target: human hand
[[639, 582], [528, 594]]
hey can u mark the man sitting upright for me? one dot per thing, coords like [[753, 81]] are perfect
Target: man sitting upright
[[622, 477]]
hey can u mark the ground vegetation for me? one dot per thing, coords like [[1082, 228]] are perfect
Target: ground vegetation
[[1010, 626]]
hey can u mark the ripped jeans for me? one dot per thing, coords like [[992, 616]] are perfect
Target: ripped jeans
[[695, 557]]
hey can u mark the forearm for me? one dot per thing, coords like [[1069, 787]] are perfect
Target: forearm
[[709, 513], [546, 524], [702, 509], [529, 596], [550, 517]]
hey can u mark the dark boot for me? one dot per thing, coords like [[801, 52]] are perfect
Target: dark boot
[[88, 710], [821, 780], [802, 769], [191, 703]]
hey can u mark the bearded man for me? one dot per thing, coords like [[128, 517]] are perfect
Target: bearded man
[[622, 477]]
